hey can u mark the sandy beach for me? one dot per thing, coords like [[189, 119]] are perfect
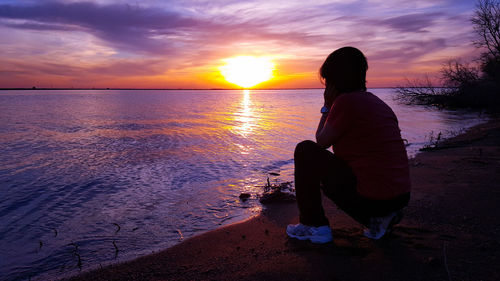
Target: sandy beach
[[450, 231]]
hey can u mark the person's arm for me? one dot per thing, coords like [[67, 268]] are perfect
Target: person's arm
[[326, 135]]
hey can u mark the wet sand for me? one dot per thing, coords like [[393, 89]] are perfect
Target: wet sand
[[451, 231]]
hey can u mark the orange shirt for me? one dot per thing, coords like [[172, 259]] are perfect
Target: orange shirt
[[370, 142]]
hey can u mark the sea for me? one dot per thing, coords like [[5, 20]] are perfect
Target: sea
[[95, 177]]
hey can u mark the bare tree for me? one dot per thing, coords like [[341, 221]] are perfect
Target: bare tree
[[457, 74], [466, 85], [421, 91], [486, 21]]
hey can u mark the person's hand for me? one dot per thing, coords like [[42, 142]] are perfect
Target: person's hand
[[329, 95]]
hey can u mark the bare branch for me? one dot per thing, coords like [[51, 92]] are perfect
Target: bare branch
[[421, 91], [456, 74], [486, 21]]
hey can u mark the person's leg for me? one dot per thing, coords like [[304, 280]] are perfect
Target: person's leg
[[361, 209], [310, 165], [384, 214], [340, 186], [379, 216], [313, 165]]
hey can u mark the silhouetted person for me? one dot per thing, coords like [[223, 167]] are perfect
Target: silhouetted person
[[367, 176]]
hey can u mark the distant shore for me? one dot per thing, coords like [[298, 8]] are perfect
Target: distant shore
[[152, 89], [170, 89], [451, 231]]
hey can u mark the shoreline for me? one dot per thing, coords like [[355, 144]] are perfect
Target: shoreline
[[450, 231]]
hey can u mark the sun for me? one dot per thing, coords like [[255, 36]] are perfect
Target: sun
[[247, 71]]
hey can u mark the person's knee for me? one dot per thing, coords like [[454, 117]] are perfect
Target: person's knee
[[305, 147]]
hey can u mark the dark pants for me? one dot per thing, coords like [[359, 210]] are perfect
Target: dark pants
[[318, 169]]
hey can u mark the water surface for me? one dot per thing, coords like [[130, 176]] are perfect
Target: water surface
[[89, 178]]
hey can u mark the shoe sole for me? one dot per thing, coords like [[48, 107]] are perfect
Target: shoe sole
[[313, 239]]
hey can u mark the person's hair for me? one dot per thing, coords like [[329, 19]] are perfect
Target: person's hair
[[345, 69]]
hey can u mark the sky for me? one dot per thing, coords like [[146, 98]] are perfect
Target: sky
[[183, 43]]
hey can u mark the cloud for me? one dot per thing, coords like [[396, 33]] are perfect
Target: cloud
[[38, 26], [150, 30], [120, 67], [16, 67], [183, 38], [161, 31], [122, 26], [148, 67], [409, 51], [411, 22]]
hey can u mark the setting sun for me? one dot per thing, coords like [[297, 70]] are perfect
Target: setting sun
[[247, 71]]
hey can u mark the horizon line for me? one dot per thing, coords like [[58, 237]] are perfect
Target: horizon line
[[170, 89]]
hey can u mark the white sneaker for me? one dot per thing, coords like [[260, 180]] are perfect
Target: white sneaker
[[379, 226], [318, 235]]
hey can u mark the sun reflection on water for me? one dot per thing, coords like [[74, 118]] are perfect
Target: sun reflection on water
[[245, 116], [245, 121]]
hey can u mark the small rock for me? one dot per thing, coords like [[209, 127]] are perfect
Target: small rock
[[244, 196]]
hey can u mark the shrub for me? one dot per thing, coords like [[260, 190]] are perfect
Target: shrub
[[466, 86]]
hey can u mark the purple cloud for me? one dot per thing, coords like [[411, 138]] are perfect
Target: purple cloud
[[147, 30], [411, 22], [409, 50], [130, 68], [38, 26], [122, 26]]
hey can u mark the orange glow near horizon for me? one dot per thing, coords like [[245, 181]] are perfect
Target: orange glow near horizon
[[247, 71]]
